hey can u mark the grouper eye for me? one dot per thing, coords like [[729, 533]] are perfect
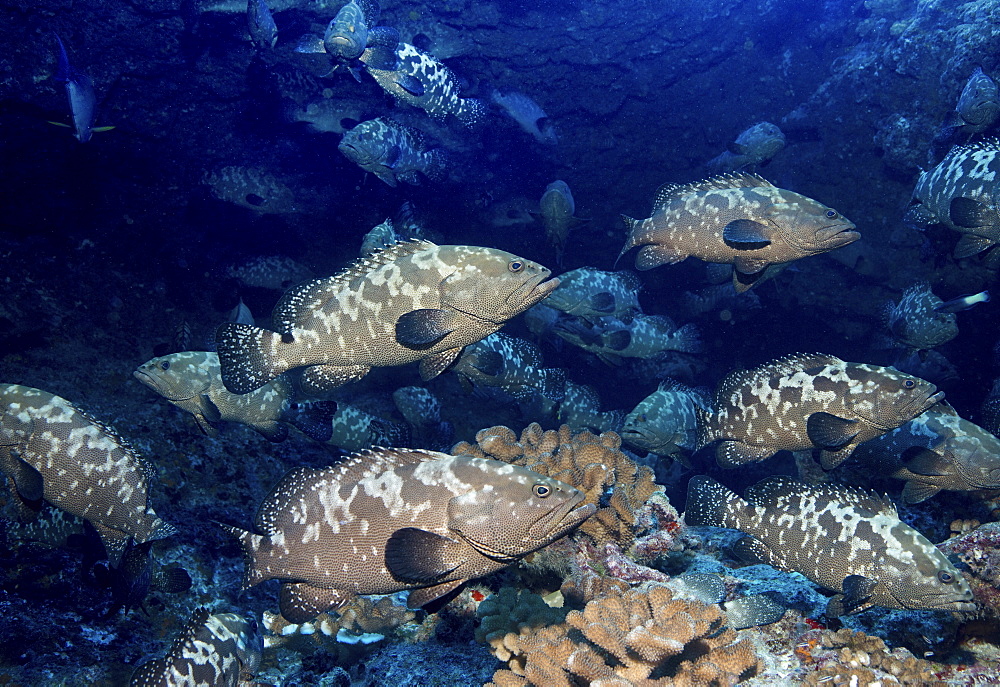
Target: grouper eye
[[946, 577], [831, 213], [165, 365], [541, 491], [515, 266], [909, 383]]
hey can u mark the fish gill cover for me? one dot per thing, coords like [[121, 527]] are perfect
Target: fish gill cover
[[251, 245]]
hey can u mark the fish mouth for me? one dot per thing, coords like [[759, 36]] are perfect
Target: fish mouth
[[536, 288], [154, 383], [924, 403], [561, 520], [838, 235]]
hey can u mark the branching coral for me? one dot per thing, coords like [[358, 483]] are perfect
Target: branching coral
[[515, 613], [644, 636], [847, 657]]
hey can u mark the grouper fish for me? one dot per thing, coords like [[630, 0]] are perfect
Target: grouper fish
[[740, 219], [806, 401], [50, 449], [412, 301], [842, 538], [400, 519]]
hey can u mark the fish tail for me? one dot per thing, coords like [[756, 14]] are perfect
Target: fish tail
[[248, 356], [687, 339], [161, 530], [630, 225], [703, 417], [251, 544], [437, 164], [708, 503], [472, 112]]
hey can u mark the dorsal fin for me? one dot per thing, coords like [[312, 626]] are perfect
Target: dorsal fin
[[770, 490], [668, 193], [788, 364], [988, 144], [300, 300], [194, 623]]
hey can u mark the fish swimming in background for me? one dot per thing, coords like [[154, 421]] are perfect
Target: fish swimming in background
[[82, 97], [422, 411], [961, 193], [192, 381], [590, 293], [421, 81], [557, 209], [963, 302], [511, 364], [271, 272], [528, 114], [414, 301], [935, 451], [666, 421], [52, 450], [740, 219], [978, 106], [842, 538], [581, 409], [251, 188], [643, 336], [806, 401], [354, 429], [353, 40], [211, 651], [137, 575], [394, 152], [390, 520], [263, 30], [916, 322], [378, 237], [755, 146]]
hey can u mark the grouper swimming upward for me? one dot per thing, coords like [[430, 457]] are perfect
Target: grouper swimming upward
[[738, 219], [412, 301]]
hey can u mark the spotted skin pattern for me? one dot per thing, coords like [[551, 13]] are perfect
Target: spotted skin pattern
[[50, 449], [394, 152], [213, 650], [512, 364], [915, 324], [589, 293], [665, 422], [414, 301], [692, 220], [808, 401], [395, 519], [844, 539]]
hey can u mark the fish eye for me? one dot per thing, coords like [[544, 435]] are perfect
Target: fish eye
[[831, 213], [909, 384], [541, 491], [642, 418], [945, 577], [165, 365], [515, 266]]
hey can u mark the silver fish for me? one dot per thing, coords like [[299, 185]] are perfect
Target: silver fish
[[82, 97]]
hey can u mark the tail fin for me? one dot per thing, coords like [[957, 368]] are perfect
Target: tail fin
[[708, 503], [437, 164], [629, 244], [703, 417], [251, 544], [472, 112], [313, 418], [247, 356], [686, 339]]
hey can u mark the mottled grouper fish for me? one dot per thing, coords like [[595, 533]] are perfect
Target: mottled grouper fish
[[412, 301], [211, 651], [806, 401], [192, 381], [52, 450], [962, 192], [396, 519], [842, 538], [739, 219]]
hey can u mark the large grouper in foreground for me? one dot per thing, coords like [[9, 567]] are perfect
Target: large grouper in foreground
[[739, 219], [411, 301], [389, 520]]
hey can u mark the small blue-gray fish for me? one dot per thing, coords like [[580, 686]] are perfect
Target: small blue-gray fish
[[590, 293], [917, 322], [557, 209], [212, 651], [978, 106], [353, 40], [755, 146], [511, 364], [263, 30], [842, 538], [391, 520], [666, 421], [82, 97], [528, 114], [643, 336], [394, 152]]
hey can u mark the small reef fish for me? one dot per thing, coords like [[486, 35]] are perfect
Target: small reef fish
[[935, 451], [960, 193], [394, 152], [82, 97], [414, 301], [211, 651], [807, 401], [421, 81], [192, 381], [581, 409], [964, 302], [52, 450], [589, 293], [512, 212], [557, 209], [511, 364], [251, 188], [643, 336], [378, 237], [422, 411], [666, 421], [916, 322], [353, 40], [978, 106], [263, 30], [271, 272], [396, 519], [755, 146], [354, 429], [842, 538], [740, 219], [528, 114]]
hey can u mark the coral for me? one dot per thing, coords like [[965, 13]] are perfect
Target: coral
[[361, 621], [979, 550], [847, 657], [644, 636], [513, 612], [593, 464]]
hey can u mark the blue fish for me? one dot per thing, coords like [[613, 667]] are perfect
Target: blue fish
[[263, 30], [963, 302], [82, 97]]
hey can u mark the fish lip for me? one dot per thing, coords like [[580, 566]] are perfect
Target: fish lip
[[563, 519], [153, 382], [926, 401], [539, 285]]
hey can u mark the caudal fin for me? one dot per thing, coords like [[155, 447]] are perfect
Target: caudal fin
[[251, 544], [708, 503], [248, 356]]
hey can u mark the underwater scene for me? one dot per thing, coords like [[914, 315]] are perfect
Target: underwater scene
[[494, 342]]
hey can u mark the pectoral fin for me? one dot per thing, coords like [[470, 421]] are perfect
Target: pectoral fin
[[411, 85], [970, 245], [857, 594], [918, 492], [431, 599], [424, 327], [971, 213], [745, 234], [418, 556], [924, 461], [830, 432], [27, 480]]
